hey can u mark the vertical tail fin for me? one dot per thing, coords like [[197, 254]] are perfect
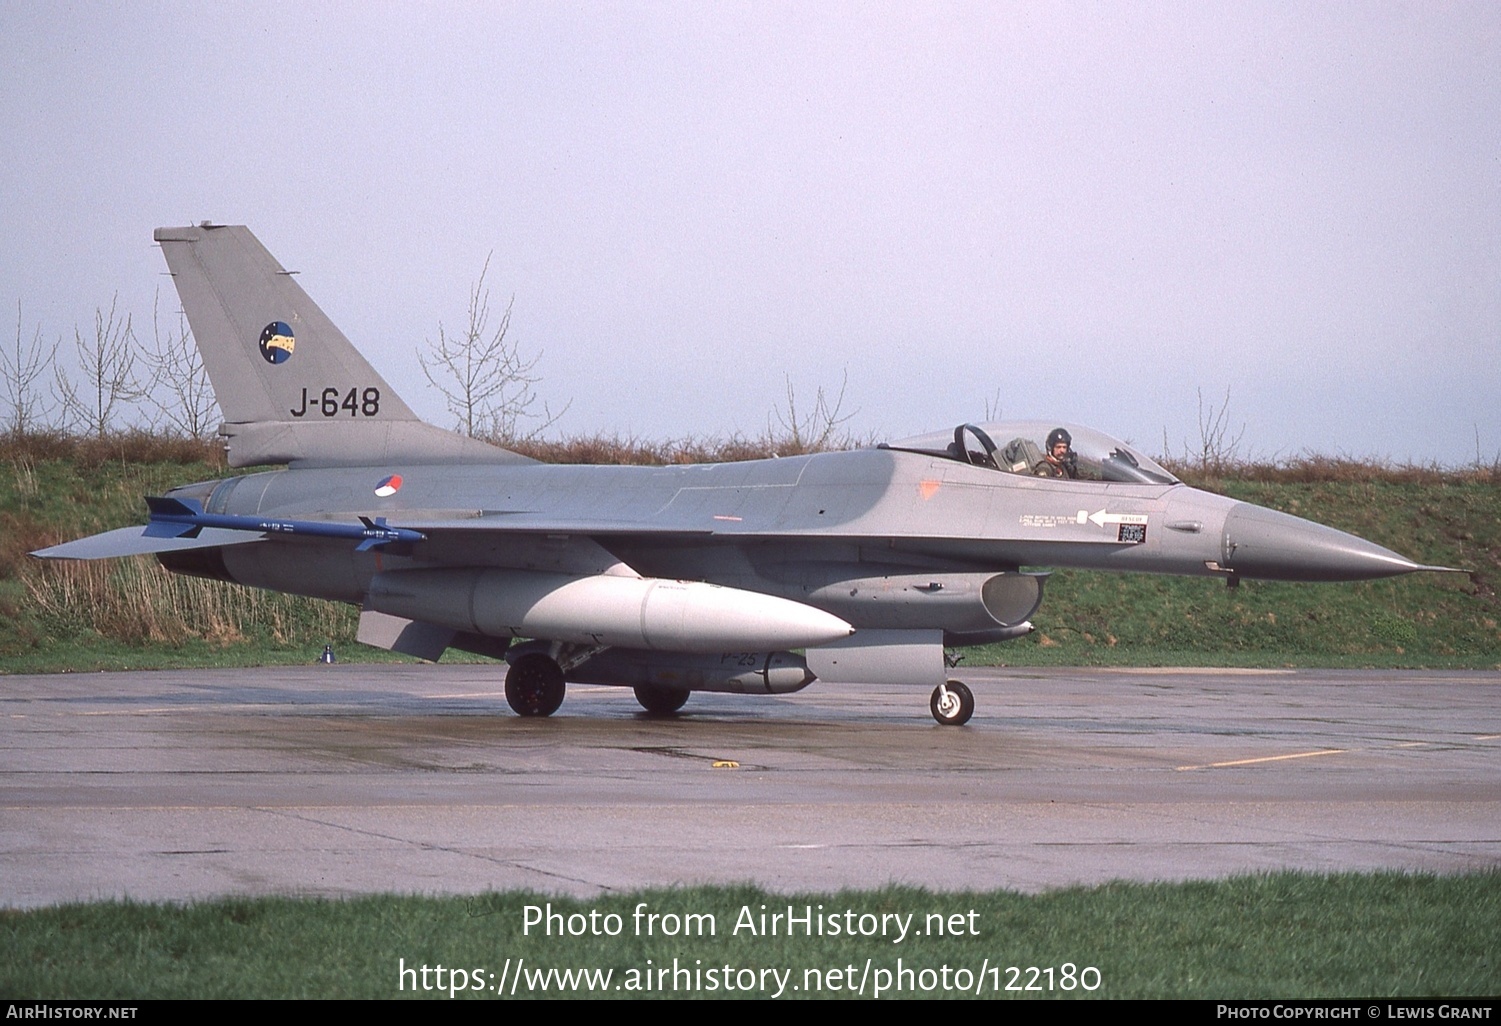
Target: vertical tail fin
[[293, 389]]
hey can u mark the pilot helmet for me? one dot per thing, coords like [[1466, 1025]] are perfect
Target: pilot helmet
[[1059, 435]]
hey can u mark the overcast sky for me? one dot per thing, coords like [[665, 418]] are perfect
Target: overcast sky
[[1085, 213]]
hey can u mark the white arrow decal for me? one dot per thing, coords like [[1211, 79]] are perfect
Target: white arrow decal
[[1102, 518]]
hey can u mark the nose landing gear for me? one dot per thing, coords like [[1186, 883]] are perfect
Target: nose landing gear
[[952, 704]]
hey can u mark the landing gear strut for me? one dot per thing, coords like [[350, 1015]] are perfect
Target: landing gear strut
[[660, 701], [952, 703], [534, 685]]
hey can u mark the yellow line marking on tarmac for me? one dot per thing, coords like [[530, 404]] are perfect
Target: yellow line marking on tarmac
[[1266, 758], [1208, 671], [1488, 737]]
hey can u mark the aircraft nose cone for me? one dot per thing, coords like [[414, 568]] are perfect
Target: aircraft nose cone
[[1262, 543]]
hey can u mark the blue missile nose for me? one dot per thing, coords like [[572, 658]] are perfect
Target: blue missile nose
[[1262, 543]]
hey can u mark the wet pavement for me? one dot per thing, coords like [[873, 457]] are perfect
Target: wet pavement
[[349, 779]]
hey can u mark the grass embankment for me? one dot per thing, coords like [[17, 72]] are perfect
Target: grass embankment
[[1285, 935], [130, 614]]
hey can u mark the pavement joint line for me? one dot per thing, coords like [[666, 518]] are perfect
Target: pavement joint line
[[429, 846]]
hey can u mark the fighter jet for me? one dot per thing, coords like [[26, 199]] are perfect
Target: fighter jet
[[874, 563]]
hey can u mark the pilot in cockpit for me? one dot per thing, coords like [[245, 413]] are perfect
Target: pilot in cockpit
[[1098, 458], [1058, 458], [1022, 456]]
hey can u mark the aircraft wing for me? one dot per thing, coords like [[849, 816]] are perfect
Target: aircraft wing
[[133, 541], [138, 541]]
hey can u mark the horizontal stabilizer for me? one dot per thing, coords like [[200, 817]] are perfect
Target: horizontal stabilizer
[[134, 541]]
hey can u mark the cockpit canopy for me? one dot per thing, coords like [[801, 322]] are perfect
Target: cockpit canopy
[[1021, 447]]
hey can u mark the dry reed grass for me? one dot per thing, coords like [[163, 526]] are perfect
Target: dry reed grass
[[119, 447], [137, 602], [618, 450]]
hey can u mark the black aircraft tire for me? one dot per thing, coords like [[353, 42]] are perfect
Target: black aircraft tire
[[660, 701], [959, 707], [535, 685]]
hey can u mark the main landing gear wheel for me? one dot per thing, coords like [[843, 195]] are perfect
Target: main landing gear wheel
[[534, 685], [660, 701], [952, 703]]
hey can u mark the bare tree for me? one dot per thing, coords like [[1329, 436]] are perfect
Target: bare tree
[[20, 370], [1218, 448], [107, 364], [814, 429], [189, 407], [486, 381]]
